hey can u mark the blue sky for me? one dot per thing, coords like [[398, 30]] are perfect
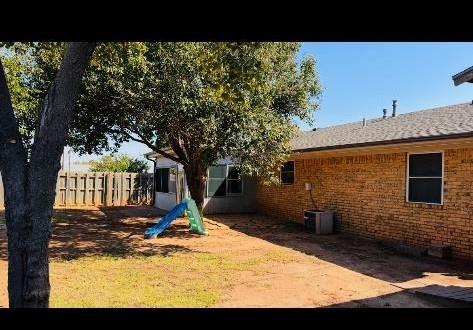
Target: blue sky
[[360, 79]]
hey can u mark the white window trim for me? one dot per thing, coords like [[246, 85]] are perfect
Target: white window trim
[[280, 174], [425, 177], [227, 194]]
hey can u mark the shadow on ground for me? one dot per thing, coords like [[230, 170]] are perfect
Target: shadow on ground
[[112, 231], [401, 299], [360, 255]]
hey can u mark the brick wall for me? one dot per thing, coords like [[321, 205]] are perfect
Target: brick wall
[[367, 193]]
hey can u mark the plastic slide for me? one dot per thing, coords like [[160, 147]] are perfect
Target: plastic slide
[[195, 220]]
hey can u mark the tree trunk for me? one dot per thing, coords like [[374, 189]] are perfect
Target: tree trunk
[[195, 177], [30, 186], [28, 263]]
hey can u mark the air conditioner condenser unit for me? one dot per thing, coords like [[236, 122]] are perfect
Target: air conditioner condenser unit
[[319, 221]]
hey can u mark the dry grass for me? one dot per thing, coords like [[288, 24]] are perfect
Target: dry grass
[[99, 258]]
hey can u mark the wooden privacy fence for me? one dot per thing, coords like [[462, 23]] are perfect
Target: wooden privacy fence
[[101, 189]]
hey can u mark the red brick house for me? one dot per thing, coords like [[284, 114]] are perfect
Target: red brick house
[[407, 178]]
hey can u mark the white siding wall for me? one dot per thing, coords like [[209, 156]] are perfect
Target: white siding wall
[[230, 204], [165, 201]]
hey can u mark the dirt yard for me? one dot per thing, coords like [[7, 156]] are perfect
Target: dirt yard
[[100, 259]]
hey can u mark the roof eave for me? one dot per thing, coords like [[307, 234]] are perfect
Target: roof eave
[[464, 76], [380, 143], [154, 154]]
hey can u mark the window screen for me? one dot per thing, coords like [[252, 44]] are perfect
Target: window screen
[[425, 178], [287, 172]]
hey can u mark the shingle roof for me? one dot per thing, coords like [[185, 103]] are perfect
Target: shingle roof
[[438, 123]]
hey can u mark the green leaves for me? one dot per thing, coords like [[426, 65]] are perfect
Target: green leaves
[[118, 163], [215, 99]]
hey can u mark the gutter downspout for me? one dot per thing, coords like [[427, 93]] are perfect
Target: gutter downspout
[[154, 173]]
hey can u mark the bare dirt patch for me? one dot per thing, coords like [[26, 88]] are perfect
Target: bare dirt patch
[[99, 258]]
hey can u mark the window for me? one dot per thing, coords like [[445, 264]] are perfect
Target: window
[[287, 172], [162, 180], [425, 178], [217, 181], [223, 180]]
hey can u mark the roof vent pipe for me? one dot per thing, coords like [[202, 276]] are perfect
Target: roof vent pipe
[[385, 113], [394, 108], [364, 122]]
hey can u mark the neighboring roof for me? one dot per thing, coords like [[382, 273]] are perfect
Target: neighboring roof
[[154, 154], [432, 124], [464, 76]]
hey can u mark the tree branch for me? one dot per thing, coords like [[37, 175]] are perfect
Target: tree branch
[[11, 143], [153, 147], [181, 157], [13, 160], [56, 114], [176, 146], [59, 103]]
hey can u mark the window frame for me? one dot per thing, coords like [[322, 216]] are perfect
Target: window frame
[[160, 168], [174, 169], [227, 194], [408, 177], [208, 179], [294, 171], [228, 179]]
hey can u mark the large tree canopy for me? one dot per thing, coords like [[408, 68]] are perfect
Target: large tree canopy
[[198, 101]]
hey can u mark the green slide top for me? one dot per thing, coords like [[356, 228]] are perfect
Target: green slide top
[[195, 220]]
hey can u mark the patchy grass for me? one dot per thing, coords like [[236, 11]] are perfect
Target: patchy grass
[[193, 279]]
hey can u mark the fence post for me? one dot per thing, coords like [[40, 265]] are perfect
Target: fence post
[[67, 192], [108, 188], [73, 188], [136, 190], [115, 189], [116, 196], [96, 190], [140, 188], [86, 189], [56, 198], [120, 188]]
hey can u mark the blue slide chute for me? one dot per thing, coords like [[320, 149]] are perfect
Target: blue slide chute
[[165, 221]]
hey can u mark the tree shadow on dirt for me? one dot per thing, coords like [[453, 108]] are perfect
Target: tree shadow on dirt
[[112, 231], [363, 256], [404, 298]]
